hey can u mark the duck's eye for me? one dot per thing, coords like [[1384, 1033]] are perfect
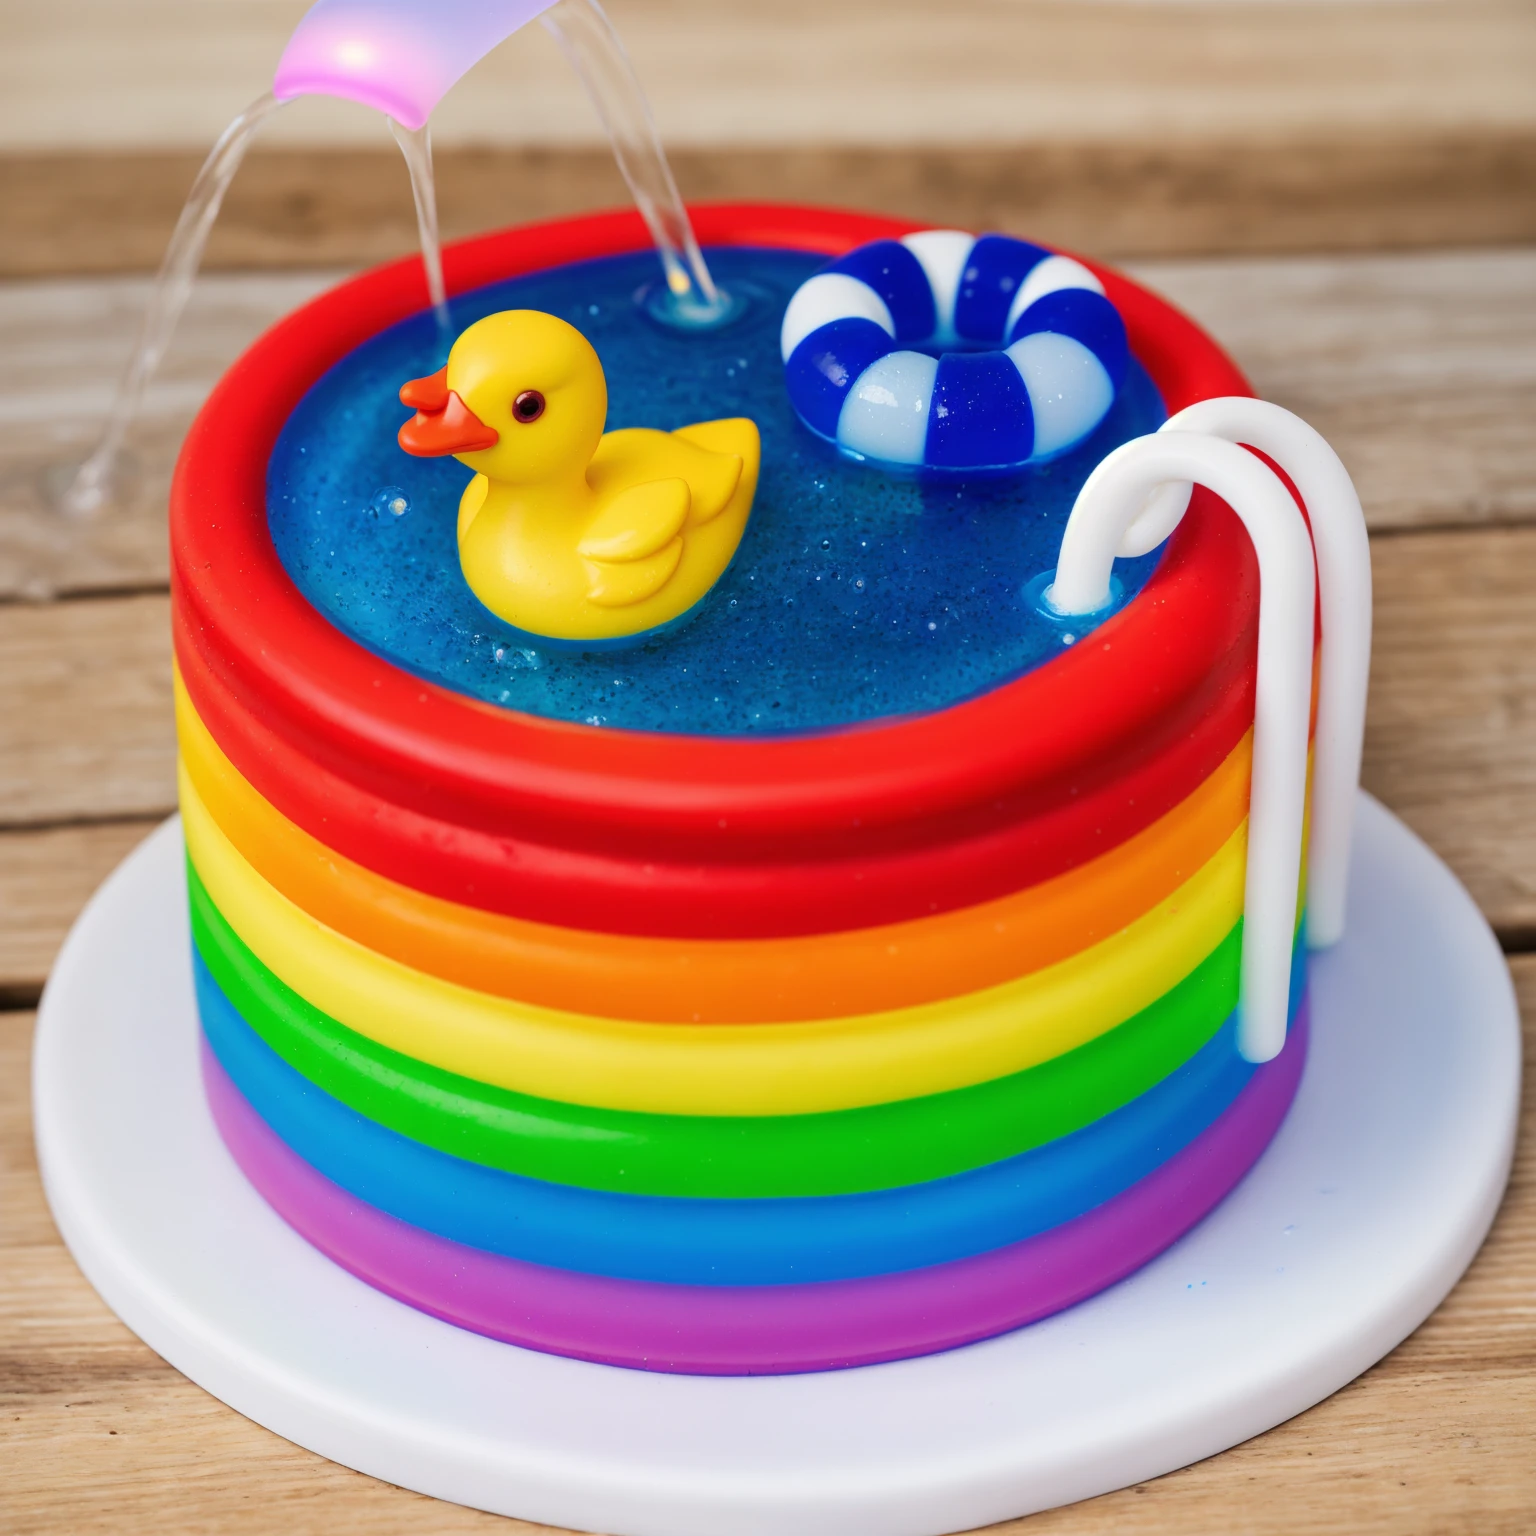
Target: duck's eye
[[528, 406]]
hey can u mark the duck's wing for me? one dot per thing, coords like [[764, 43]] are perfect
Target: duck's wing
[[631, 456], [632, 546], [471, 502], [727, 453], [709, 456]]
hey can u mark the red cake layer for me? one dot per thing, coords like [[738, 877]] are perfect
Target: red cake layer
[[1005, 846], [721, 836], [282, 654]]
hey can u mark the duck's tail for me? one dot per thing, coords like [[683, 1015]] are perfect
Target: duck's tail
[[735, 451]]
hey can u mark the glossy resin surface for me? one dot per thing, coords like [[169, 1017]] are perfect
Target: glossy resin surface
[[855, 594]]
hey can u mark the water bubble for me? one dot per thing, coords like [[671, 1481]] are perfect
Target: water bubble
[[826, 543], [499, 654], [393, 500]]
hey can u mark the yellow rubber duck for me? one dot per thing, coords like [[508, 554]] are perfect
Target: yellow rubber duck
[[565, 530]]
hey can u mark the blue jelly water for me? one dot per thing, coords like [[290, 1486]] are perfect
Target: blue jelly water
[[854, 594]]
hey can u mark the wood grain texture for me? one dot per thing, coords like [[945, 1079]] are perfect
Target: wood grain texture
[[1117, 128], [85, 691], [65, 345], [1176, 129], [102, 212], [171, 73], [1420, 371], [1421, 368], [46, 877], [98, 1435], [1451, 730]]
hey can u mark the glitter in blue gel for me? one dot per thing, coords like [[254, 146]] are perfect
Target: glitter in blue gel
[[854, 594]]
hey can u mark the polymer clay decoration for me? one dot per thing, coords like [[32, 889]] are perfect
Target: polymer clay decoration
[[1131, 501], [500, 844], [877, 1146], [752, 1330], [949, 353], [720, 1054], [726, 1241], [567, 531], [861, 970], [789, 1067]]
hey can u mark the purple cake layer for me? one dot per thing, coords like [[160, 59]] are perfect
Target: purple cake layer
[[764, 1330]]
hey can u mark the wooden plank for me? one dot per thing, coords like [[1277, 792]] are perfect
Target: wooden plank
[[1119, 129], [1451, 736], [65, 345], [85, 691], [46, 877], [170, 73], [1422, 369], [1451, 744], [98, 1435], [113, 212], [1421, 372]]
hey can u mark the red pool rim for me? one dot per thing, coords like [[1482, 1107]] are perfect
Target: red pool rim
[[421, 745], [802, 887]]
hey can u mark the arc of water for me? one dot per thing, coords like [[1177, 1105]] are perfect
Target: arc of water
[[1344, 591], [595, 51], [402, 57], [416, 146], [1114, 496], [91, 483]]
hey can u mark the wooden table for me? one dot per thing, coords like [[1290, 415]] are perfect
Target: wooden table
[[1419, 365], [1421, 368]]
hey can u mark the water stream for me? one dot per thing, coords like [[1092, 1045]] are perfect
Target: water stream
[[587, 38], [416, 145], [91, 486], [595, 51]]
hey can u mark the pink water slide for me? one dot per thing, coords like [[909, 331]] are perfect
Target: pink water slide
[[400, 56]]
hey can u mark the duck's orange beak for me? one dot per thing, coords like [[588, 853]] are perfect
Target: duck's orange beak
[[442, 424]]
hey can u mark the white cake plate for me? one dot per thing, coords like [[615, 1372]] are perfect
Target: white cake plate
[[1357, 1221]]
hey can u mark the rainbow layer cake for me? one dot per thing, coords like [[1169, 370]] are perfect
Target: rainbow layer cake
[[845, 972]]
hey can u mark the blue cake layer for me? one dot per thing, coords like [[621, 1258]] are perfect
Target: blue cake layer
[[854, 594], [729, 1242]]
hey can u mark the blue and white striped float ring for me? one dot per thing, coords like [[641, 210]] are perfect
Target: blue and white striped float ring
[[947, 352]]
